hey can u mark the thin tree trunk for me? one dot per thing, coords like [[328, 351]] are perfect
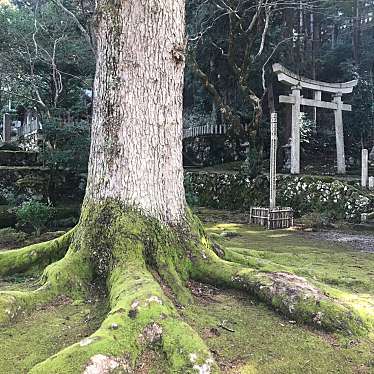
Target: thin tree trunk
[[356, 31], [136, 151]]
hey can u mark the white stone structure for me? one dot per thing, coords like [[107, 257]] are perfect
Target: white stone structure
[[298, 83], [371, 183], [7, 128], [364, 168], [273, 160]]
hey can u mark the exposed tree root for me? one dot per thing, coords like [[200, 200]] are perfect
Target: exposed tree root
[[248, 260], [292, 295], [34, 257], [69, 276], [141, 318], [122, 248]]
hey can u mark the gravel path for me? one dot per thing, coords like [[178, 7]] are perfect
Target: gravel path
[[361, 242]]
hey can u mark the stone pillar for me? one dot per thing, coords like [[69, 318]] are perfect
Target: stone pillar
[[364, 167], [317, 97], [339, 133], [7, 128], [371, 183], [273, 160], [295, 138]]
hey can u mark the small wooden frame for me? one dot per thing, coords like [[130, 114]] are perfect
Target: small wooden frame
[[272, 219]]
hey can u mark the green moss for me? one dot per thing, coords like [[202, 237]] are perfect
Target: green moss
[[122, 245], [35, 257], [137, 302], [45, 332], [264, 343], [320, 260], [303, 301], [70, 276], [124, 249]]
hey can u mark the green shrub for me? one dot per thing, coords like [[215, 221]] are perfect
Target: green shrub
[[317, 220], [65, 146], [253, 164], [35, 214], [7, 216], [10, 235], [337, 199], [191, 197]]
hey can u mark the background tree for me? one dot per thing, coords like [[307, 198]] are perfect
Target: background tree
[[45, 61]]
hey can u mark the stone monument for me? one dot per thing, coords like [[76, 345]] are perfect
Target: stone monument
[[364, 168], [7, 128]]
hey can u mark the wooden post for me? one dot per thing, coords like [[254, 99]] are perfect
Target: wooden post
[[273, 160], [371, 183]]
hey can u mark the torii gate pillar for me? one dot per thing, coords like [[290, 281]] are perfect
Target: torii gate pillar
[[295, 137], [339, 133]]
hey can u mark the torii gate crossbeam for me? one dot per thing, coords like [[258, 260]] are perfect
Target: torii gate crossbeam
[[296, 100]]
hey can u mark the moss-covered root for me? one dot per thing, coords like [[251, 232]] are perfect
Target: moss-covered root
[[141, 318], [14, 303], [69, 276], [293, 296], [249, 260], [34, 257]]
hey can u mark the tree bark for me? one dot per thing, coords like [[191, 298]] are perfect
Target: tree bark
[[356, 31], [136, 146]]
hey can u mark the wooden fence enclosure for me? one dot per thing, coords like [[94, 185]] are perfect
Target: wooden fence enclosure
[[272, 219]]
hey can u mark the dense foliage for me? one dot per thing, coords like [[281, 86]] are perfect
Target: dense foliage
[[66, 146], [35, 214], [47, 62]]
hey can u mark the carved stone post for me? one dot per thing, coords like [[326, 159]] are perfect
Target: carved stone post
[[273, 160], [7, 128], [371, 183], [339, 133], [295, 138], [364, 168]]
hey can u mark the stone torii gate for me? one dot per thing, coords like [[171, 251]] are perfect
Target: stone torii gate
[[337, 90]]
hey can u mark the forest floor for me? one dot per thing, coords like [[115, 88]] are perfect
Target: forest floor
[[245, 336]]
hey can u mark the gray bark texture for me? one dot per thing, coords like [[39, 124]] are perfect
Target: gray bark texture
[[136, 150]]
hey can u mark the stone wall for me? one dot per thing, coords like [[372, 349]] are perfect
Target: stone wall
[[305, 194], [231, 191], [23, 182], [18, 158], [212, 150]]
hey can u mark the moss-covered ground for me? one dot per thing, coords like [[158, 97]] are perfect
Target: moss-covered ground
[[45, 332], [243, 334], [247, 338], [326, 263]]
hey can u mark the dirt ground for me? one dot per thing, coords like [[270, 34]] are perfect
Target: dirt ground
[[358, 241]]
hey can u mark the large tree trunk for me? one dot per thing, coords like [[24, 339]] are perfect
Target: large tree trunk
[[136, 147]]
